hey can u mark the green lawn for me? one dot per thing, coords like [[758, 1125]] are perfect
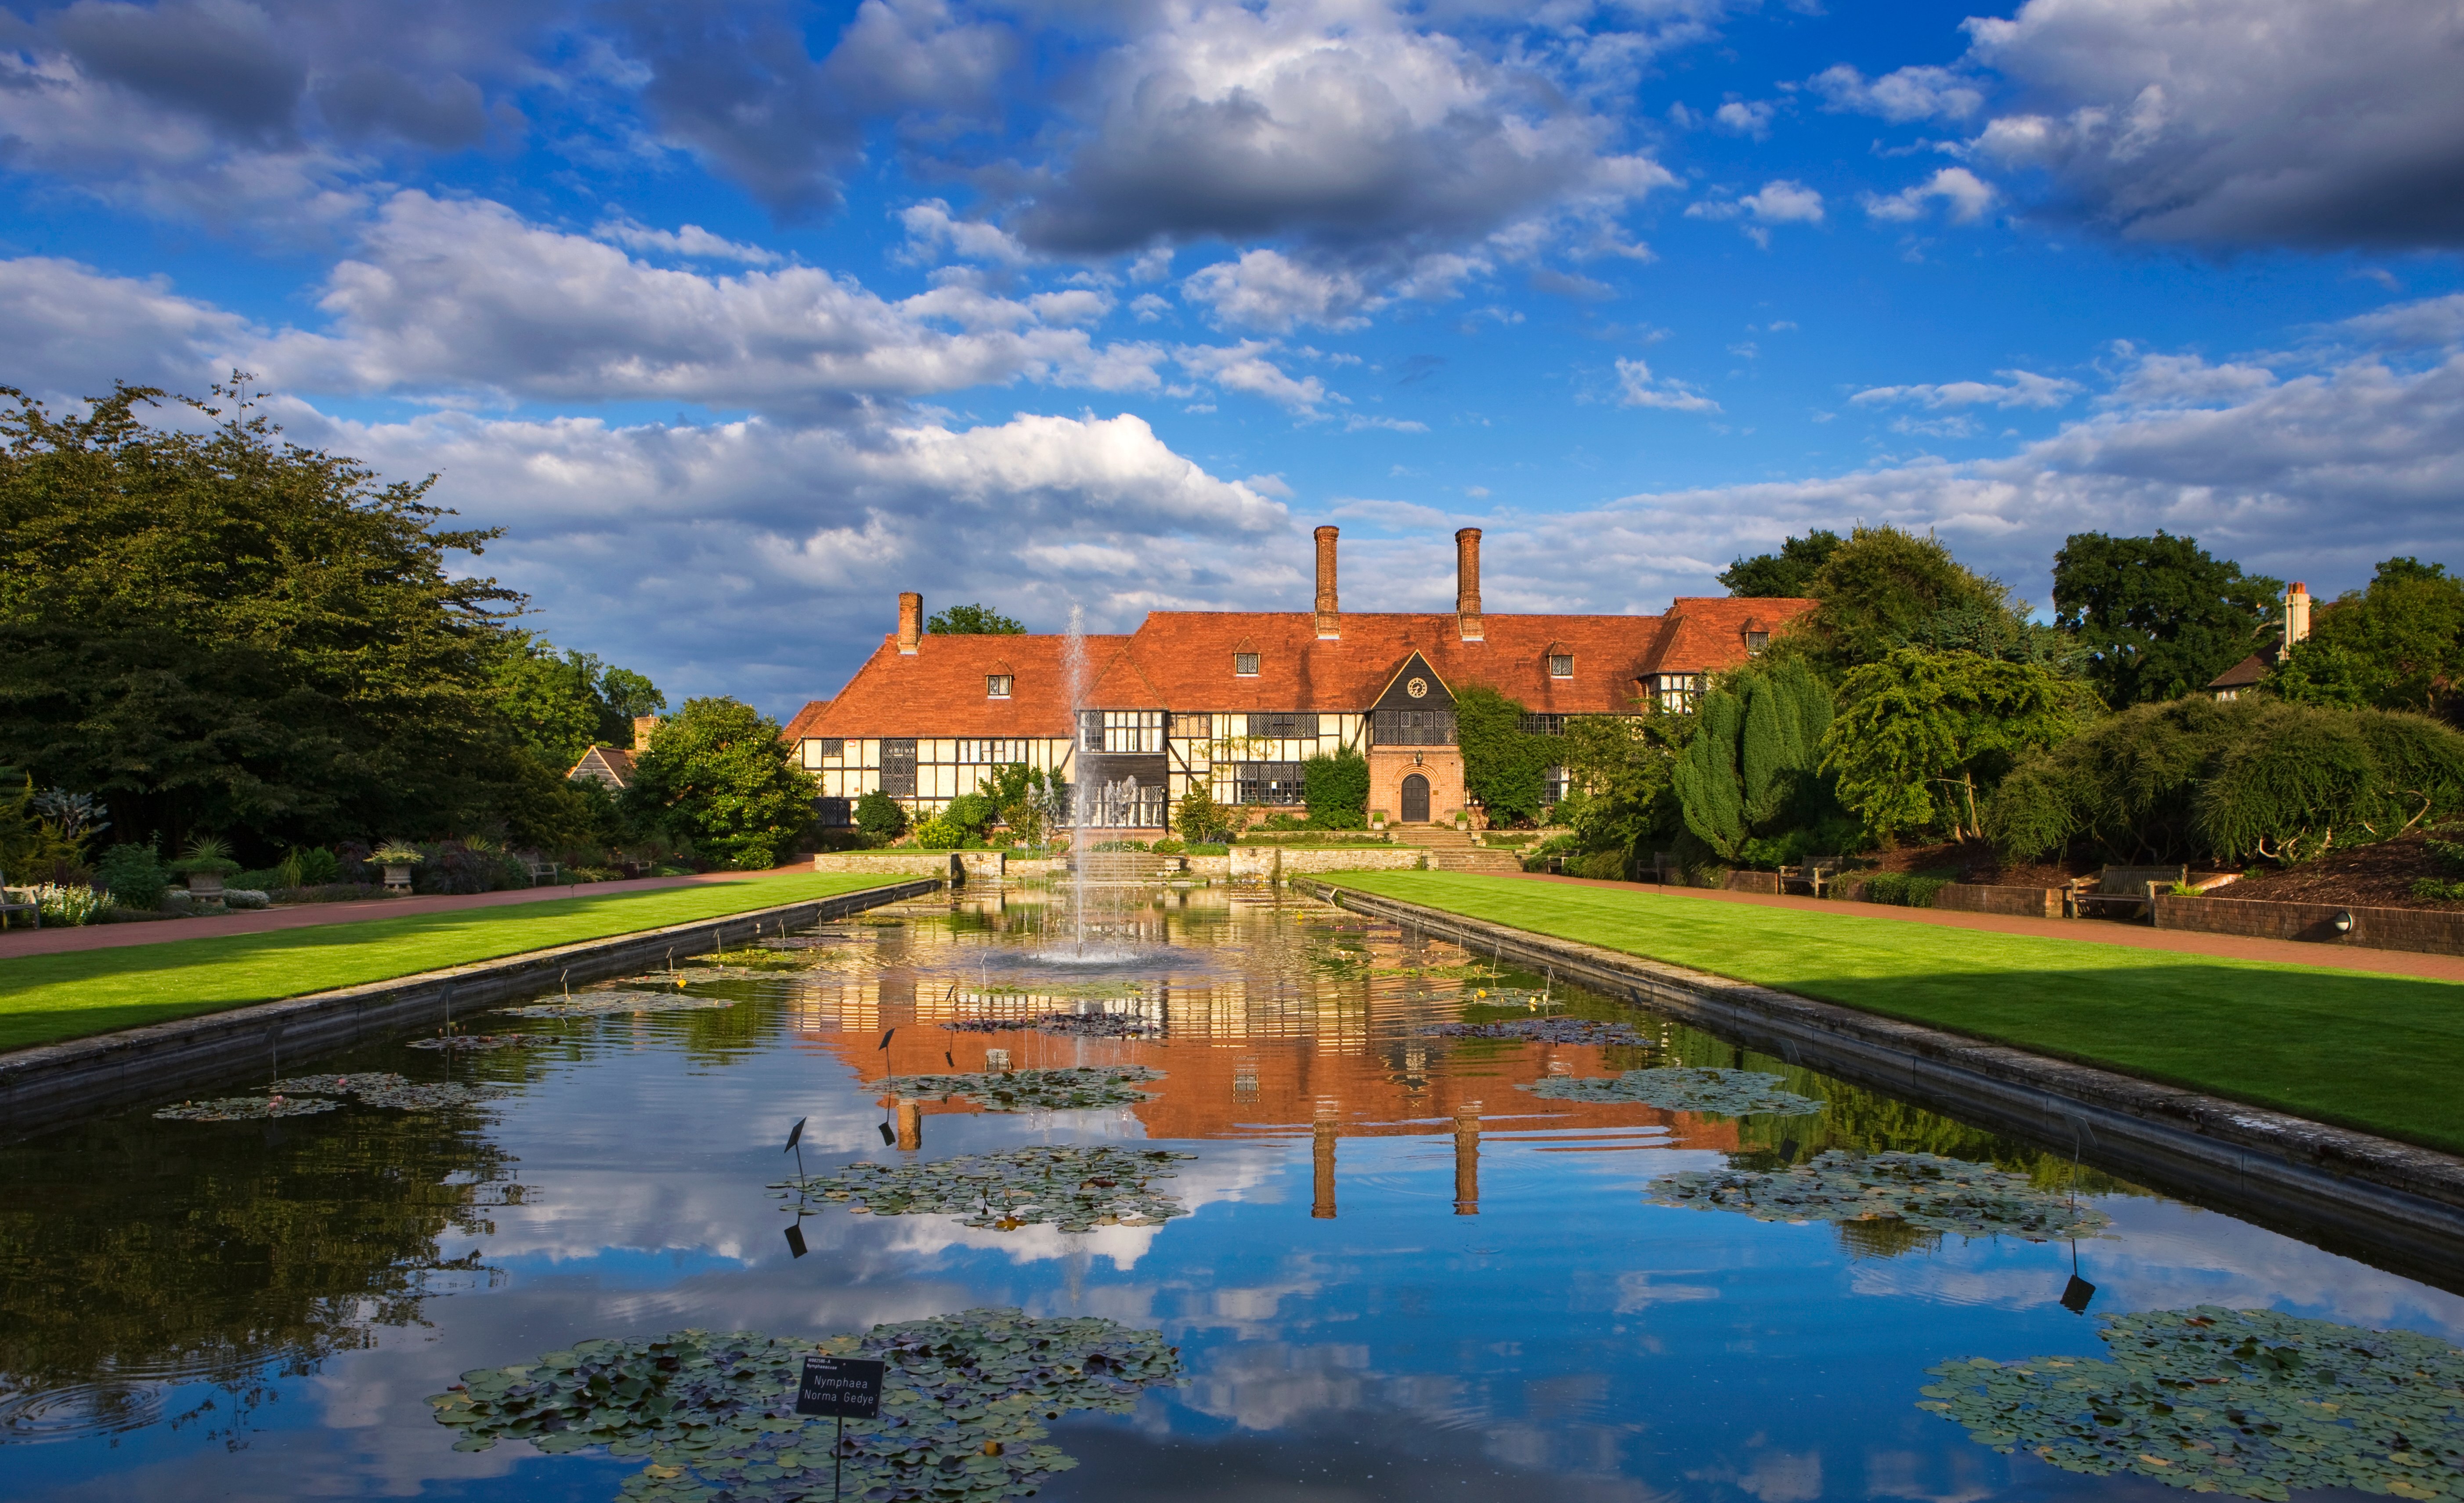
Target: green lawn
[[45, 999], [2383, 1054]]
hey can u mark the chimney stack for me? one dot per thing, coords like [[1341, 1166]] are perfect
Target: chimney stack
[[1467, 583], [911, 621], [642, 725], [2296, 615], [1330, 625]]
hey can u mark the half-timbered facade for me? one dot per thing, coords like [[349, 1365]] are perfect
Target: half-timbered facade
[[1237, 700]]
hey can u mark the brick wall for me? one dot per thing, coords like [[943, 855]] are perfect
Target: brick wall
[[1754, 881], [2428, 930], [2029, 902]]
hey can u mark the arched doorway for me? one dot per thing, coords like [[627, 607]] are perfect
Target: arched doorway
[[1416, 800]]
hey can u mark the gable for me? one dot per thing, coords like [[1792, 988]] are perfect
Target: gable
[[1434, 693]]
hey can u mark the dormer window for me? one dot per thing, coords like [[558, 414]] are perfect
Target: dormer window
[[1244, 665], [997, 686], [1757, 638], [1561, 664]]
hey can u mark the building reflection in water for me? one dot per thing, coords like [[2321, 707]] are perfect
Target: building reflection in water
[[1322, 1158], [1468, 1158]]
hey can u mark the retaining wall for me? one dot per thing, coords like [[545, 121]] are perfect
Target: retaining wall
[[2026, 903], [51, 1084], [893, 863], [2433, 932], [1765, 883], [2388, 1202], [1257, 862]]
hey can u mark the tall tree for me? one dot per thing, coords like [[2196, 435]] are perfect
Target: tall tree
[[718, 772], [2397, 644], [971, 621], [561, 705], [1923, 737], [1881, 589], [1786, 574], [2157, 616]]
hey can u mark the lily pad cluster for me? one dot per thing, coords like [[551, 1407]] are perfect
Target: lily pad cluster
[[1077, 1188], [479, 1043], [244, 1109], [1077, 1025], [759, 957], [1026, 1090], [1508, 996], [715, 1416], [600, 1004], [1552, 1030], [1683, 1088], [385, 1088], [2248, 1401], [1923, 1190]]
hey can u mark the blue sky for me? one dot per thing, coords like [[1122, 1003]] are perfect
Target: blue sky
[[741, 317]]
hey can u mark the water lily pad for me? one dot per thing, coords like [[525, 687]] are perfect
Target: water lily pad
[[1077, 1188], [481, 1043], [385, 1088], [1507, 996], [600, 1004], [1552, 1030], [714, 1416], [244, 1109], [759, 957], [1920, 1189], [2254, 1403], [1683, 1088], [1025, 1090], [1076, 1025]]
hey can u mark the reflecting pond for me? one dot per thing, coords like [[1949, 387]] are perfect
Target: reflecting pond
[[1263, 1201]]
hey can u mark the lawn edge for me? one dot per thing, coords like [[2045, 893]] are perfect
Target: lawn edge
[[50, 1084], [2319, 1181]]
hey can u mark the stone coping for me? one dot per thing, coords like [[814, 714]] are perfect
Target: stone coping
[[49, 1086], [2389, 1203]]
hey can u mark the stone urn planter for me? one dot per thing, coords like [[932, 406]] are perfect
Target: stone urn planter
[[205, 885], [395, 860], [397, 879]]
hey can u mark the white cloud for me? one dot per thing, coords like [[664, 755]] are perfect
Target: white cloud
[[1637, 387], [2237, 121], [2020, 390], [71, 331], [1908, 93], [933, 235], [1746, 117], [1268, 291], [2429, 322], [692, 241], [1967, 195], [1778, 202], [1245, 367]]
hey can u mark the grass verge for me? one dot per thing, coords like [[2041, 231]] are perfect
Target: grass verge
[[2378, 1053], [47, 998]]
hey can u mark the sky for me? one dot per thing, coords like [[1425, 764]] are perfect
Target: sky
[[738, 317]]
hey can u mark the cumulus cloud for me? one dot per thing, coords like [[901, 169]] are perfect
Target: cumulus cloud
[[71, 331], [467, 295], [693, 242], [1968, 196], [1908, 93], [1746, 117], [1778, 202], [1637, 387], [2019, 389], [2237, 121], [934, 234], [1269, 290], [1243, 367]]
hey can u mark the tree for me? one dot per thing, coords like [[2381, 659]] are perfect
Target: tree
[[1619, 768], [2157, 616], [628, 695], [719, 773], [1877, 589], [1787, 574], [2323, 674], [1505, 767], [1335, 787], [971, 621], [220, 631], [1922, 737], [878, 815], [1750, 768], [2403, 637]]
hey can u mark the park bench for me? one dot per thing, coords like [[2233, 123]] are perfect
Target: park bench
[[1814, 874], [2131, 888], [542, 870], [1660, 866], [15, 900]]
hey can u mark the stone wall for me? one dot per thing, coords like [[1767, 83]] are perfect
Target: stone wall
[[890, 863], [2026, 903], [1257, 862], [2433, 932], [1765, 883]]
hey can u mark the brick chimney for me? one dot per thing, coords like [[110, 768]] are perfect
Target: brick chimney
[[1330, 625], [911, 621], [2296, 615], [642, 725], [1467, 583]]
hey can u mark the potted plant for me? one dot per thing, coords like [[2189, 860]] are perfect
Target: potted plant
[[206, 862], [397, 858]]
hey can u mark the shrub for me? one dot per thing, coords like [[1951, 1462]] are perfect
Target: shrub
[[1906, 889], [68, 906], [970, 815], [1169, 847], [1335, 787], [940, 832], [880, 817], [206, 853], [247, 897], [1604, 865], [1198, 817], [719, 772], [133, 876]]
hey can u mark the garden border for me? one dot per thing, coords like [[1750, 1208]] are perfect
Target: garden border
[[50, 1085], [2354, 1192]]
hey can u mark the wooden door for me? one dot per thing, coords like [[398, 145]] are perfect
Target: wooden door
[[1416, 800]]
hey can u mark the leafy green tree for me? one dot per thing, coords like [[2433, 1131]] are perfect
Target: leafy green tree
[[1788, 574], [1028, 800], [626, 694], [1335, 787], [1505, 767], [2323, 674], [719, 772], [2157, 616], [2401, 638], [1879, 589], [878, 815], [1619, 770], [971, 621], [1922, 737], [221, 631], [562, 704]]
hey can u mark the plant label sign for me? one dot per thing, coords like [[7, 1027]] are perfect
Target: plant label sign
[[847, 1386]]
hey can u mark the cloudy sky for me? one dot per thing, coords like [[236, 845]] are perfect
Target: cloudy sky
[[742, 317]]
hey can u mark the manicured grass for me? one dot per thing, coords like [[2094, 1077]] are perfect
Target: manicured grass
[[45, 999], [2383, 1054]]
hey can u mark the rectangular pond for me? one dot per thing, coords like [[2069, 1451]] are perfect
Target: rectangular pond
[[1245, 1198]]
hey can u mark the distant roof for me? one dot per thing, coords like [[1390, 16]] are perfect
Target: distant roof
[[2249, 670], [612, 766]]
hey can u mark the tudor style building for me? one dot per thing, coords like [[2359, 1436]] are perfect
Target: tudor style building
[[1239, 700]]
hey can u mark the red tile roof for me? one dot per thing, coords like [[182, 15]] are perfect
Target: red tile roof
[[938, 690], [801, 727]]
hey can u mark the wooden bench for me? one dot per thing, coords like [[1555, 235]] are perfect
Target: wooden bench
[[2128, 888], [1817, 871], [540, 869], [15, 901]]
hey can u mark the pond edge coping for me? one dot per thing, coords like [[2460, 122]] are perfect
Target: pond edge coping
[[2353, 1192], [44, 1086]]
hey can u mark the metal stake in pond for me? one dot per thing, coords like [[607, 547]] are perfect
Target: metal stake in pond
[[796, 1141]]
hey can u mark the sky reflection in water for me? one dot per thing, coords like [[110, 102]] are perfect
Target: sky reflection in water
[[192, 1311]]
